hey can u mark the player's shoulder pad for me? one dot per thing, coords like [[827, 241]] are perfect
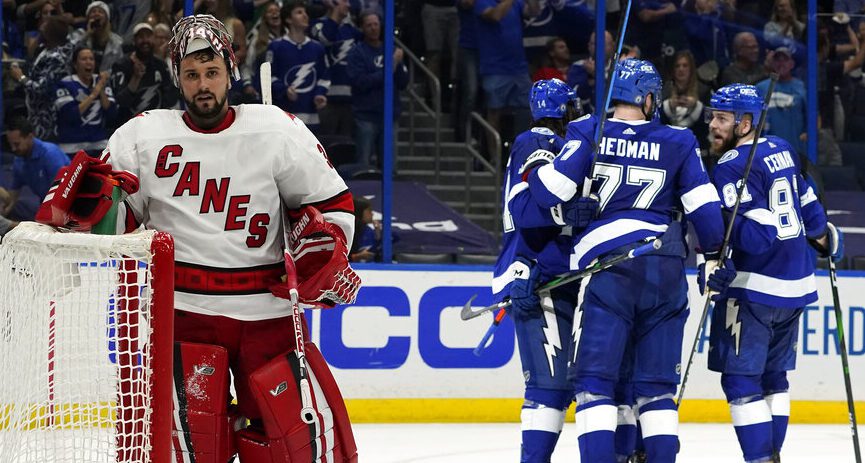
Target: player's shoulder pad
[[729, 156], [542, 131]]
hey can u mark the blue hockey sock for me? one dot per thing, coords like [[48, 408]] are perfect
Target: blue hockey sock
[[659, 423], [595, 420], [626, 433], [779, 405], [541, 419], [753, 423]]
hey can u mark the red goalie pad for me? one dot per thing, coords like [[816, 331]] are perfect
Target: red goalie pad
[[82, 193], [285, 437], [320, 255]]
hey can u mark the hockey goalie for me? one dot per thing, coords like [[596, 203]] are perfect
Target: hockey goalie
[[223, 180]]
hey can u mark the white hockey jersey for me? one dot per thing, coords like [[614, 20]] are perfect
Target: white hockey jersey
[[217, 192]]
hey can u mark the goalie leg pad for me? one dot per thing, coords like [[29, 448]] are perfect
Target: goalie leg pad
[[203, 427], [284, 437]]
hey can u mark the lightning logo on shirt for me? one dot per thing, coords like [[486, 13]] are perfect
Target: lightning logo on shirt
[[733, 323], [304, 77]]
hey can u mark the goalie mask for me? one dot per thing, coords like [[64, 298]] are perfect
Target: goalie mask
[[196, 33]]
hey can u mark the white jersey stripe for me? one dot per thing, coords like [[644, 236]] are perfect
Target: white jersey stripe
[[609, 232], [556, 182], [775, 287], [699, 196]]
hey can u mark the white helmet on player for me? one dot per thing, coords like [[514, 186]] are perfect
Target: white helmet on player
[[199, 32]]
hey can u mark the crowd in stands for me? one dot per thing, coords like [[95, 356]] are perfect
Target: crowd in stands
[[78, 69]]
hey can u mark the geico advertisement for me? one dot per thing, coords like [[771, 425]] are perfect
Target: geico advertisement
[[404, 338]]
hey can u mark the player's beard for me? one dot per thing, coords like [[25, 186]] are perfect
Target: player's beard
[[720, 146], [206, 113]]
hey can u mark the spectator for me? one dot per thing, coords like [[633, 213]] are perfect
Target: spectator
[[33, 37], [441, 33], [684, 97], [338, 35], [556, 63], [706, 36], [142, 78], [367, 233], [160, 13], [270, 27], [366, 73], [850, 7], [48, 68], [831, 84], [783, 24], [161, 37], [538, 30], [786, 115], [126, 14], [657, 24], [581, 74], [300, 77], [503, 67], [85, 104], [107, 46], [746, 67], [221, 10], [467, 66], [35, 166]]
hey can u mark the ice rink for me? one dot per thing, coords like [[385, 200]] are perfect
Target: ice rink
[[500, 443]]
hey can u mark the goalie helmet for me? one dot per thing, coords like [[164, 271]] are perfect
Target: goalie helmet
[[739, 99], [200, 32]]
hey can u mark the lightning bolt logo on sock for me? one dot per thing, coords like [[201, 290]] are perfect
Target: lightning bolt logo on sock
[[733, 323], [551, 332]]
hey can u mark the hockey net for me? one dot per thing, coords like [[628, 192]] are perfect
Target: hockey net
[[86, 327]]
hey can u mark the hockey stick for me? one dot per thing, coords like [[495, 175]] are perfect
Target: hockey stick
[[497, 320], [307, 413], [468, 312], [264, 80], [729, 230], [842, 346], [611, 77]]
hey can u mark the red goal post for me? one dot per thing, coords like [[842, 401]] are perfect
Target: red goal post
[[86, 333]]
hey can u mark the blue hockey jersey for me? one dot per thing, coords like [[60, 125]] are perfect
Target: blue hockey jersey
[[81, 131], [778, 212], [338, 39], [302, 66], [644, 172], [549, 245]]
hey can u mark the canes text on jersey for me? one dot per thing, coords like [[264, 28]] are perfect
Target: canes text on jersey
[[214, 197]]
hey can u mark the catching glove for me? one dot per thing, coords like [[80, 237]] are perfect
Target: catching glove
[[324, 277], [81, 194], [719, 278], [525, 303]]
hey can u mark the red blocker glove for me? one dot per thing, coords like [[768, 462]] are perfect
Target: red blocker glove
[[320, 255], [81, 194]]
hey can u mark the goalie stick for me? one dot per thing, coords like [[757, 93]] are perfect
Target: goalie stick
[[307, 413], [729, 230], [468, 312], [842, 346]]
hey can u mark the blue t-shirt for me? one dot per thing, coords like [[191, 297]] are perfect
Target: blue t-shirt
[[500, 44], [536, 243], [786, 115], [644, 172], [779, 210], [38, 171]]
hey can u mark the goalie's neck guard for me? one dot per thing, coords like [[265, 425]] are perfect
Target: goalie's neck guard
[[200, 32]]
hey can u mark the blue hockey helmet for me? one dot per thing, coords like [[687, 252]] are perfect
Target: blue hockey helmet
[[739, 99], [635, 79], [549, 98]]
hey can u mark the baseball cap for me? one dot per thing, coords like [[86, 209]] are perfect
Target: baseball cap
[[99, 4], [140, 27], [784, 51]]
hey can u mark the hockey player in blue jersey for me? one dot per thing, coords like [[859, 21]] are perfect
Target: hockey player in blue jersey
[[536, 254], [634, 313], [755, 326]]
